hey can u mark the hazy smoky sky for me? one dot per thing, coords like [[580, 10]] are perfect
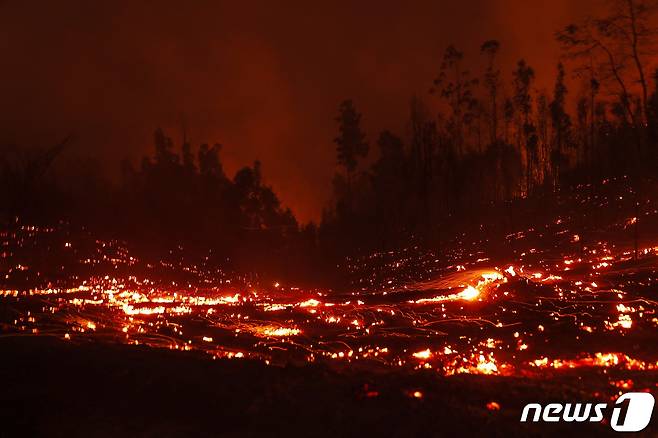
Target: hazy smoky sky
[[262, 78]]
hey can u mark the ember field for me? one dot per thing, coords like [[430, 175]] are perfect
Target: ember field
[[565, 311]]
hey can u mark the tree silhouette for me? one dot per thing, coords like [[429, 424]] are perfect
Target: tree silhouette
[[526, 131], [350, 142], [492, 83], [561, 122], [188, 156], [481, 148], [617, 42], [456, 87]]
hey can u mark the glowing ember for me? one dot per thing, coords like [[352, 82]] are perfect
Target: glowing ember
[[425, 354], [281, 331], [475, 319], [469, 294], [309, 303], [493, 406]]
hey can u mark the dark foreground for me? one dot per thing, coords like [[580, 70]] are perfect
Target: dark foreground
[[54, 388]]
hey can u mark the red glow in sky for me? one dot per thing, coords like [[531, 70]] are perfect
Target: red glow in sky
[[264, 78]]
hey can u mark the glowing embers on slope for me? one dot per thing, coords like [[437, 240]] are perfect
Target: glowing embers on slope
[[135, 303], [469, 293], [510, 321], [450, 362], [425, 354], [177, 310], [624, 320], [607, 360], [481, 365], [276, 331]]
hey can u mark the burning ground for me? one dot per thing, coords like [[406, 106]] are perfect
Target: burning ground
[[565, 311]]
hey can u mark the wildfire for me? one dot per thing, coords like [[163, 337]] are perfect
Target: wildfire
[[527, 310], [309, 303], [469, 294], [493, 406], [425, 354], [597, 360], [281, 331]]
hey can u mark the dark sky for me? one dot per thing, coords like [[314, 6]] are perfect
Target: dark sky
[[262, 78]]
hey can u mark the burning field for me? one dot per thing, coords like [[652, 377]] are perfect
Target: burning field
[[474, 318], [554, 309]]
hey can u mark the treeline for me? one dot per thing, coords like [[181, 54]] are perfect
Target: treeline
[[188, 195], [475, 141], [496, 138], [179, 198]]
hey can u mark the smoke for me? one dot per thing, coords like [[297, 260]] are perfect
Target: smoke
[[263, 79]]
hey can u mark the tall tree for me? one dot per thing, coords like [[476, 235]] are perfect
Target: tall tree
[[209, 162], [629, 24], [187, 155], [351, 142], [652, 115], [508, 116], [456, 87], [492, 83], [526, 131], [584, 40], [164, 154], [543, 122], [560, 120], [523, 77], [617, 40]]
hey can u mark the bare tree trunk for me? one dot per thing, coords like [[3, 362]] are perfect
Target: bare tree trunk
[[636, 59], [592, 109]]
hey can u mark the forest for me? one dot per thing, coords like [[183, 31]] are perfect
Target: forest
[[484, 240], [496, 139]]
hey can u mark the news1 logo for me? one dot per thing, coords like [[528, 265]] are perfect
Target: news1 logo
[[636, 417]]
